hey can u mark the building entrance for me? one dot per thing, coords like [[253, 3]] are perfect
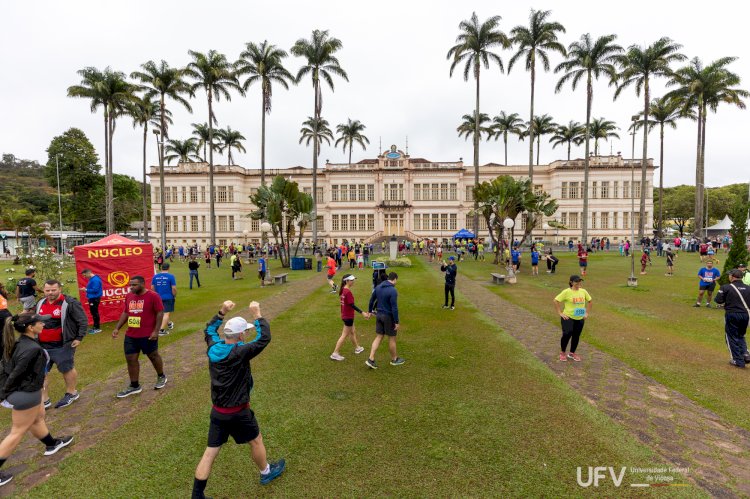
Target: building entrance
[[393, 224]]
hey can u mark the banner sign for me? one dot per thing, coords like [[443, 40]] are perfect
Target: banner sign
[[116, 259]]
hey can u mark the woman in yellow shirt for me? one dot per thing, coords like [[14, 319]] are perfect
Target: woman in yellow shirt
[[573, 305]]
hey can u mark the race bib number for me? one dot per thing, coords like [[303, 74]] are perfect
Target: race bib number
[[708, 279], [579, 312], [134, 322]]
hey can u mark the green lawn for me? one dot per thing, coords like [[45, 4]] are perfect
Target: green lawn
[[470, 414], [653, 327]]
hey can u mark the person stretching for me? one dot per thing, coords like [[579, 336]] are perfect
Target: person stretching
[[577, 307], [347, 315]]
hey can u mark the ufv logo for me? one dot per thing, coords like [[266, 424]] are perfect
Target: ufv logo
[[595, 474]]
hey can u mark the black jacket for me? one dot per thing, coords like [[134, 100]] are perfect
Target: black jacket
[[731, 299], [26, 368], [229, 365], [450, 273], [74, 320]]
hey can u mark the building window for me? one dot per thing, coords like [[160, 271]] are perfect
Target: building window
[[626, 189], [319, 197], [417, 221], [593, 220], [453, 222], [594, 190], [254, 225], [443, 192], [573, 221], [203, 223], [574, 193], [230, 194], [435, 193], [335, 223], [334, 193], [524, 219], [370, 222], [637, 219], [637, 189], [370, 192], [394, 192], [452, 192], [564, 191], [361, 193], [443, 221], [184, 194], [538, 189], [157, 223], [344, 195], [174, 195], [185, 223], [344, 223], [564, 218], [231, 223], [604, 220], [482, 223], [222, 223], [319, 223], [614, 219], [361, 222], [469, 193], [221, 194], [604, 190], [417, 192], [193, 223], [352, 193], [193, 194], [626, 220], [156, 197], [203, 194]]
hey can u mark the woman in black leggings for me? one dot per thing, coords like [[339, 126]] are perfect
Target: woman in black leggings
[[551, 261], [25, 366]]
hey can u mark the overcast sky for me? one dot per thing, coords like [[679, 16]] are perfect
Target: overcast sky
[[394, 53]]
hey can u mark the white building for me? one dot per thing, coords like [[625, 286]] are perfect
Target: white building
[[396, 194]]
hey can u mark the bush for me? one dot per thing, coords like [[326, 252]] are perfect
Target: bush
[[402, 261], [738, 252]]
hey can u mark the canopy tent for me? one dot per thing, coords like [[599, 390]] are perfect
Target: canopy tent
[[722, 226], [463, 234], [116, 259]]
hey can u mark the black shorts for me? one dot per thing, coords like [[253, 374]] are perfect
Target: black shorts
[[572, 326], [241, 426], [261, 275], [348, 322], [63, 356], [140, 345], [709, 287], [384, 325]]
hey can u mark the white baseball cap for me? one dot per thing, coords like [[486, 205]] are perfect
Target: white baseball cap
[[349, 277], [235, 326]]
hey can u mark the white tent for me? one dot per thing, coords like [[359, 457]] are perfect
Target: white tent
[[722, 226]]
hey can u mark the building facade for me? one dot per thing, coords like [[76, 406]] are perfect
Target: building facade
[[396, 194]]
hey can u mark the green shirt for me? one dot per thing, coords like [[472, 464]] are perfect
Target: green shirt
[[574, 302], [746, 278]]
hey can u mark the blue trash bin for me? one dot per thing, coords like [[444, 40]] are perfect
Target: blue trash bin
[[298, 263]]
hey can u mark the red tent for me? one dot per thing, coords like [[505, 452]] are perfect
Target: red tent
[[115, 259]]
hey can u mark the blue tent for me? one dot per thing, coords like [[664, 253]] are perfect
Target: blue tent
[[463, 234]]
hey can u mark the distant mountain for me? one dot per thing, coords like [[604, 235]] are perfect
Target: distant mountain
[[24, 186]]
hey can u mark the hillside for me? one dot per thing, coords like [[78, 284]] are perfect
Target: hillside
[[24, 185]]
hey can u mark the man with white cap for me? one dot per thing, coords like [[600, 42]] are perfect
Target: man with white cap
[[231, 383]]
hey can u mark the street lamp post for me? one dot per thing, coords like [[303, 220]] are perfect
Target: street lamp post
[[508, 224], [632, 280], [162, 208]]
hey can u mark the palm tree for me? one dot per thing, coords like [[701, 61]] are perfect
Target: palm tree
[[109, 90], [144, 112], [504, 124], [200, 130], [572, 133], [351, 132], [533, 41], [638, 66], [703, 88], [230, 139], [540, 126], [602, 129], [184, 151], [589, 59], [315, 130], [473, 49], [216, 76], [163, 81], [468, 127], [263, 64], [320, 62]]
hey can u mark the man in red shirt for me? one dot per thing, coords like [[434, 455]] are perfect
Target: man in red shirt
[[143, 313], [331, 272]]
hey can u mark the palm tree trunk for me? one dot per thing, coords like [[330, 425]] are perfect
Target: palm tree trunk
[[538, 144], [144, 191], [211, 197], [661, 179], [162, 195], [505, 142], [703, 161], [585, 221], [698, 214], [644, 162], [263, 139], [110, 192], [476, 150], [350, 153], [568, 150], [531, 120], [107, 178], [316, 83]]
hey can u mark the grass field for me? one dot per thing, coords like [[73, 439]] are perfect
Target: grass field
[[653, 327]]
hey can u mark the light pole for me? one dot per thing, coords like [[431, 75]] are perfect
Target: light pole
[[63, 238], [632, 280], [265, 227], [162, 208], [59, 199], [508, 224]]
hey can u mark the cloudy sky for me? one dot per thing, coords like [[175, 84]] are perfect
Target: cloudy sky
[[394, 53]]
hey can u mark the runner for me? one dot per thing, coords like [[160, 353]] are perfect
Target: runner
[[25, 363], [26, 289], [231, 383], [262, 271], [670, 261], [65, 326], [583, 259], [645, 260], [515, 256], [708, 276], [450, 270], [4, 312], [236, 264], [347, 315], [746, 275], [577, 307], [207, 257], [386, 323], [94, 292], [735, 297], [165, 285], [143, 312], [193, 269], [534, 261], [331, 272]]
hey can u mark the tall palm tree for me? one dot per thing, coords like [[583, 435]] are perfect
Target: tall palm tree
[[539, 127], [468, 127], [107, 89], [214, 74], [601, 128], [473, 49], [230, 139], [588, 59], [504, 124], [163, 81], [144, 112], [533, 41], [263, 64], [315, 130], [200, 130], [703, 88], [572, 133], [320, 63], [184, 151], [351, 132], [638, 66]]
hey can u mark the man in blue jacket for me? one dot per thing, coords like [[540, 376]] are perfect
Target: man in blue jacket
[[386, 324], [94, 292], [231, 383], [450, 270]]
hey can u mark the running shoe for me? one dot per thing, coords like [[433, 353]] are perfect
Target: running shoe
[[397, 361], [275, 469], [359, 350], [562, 357], [67, 399], [697, 305], [163, 332], [708, 305], [95, 331], [130, 390], [47, 404], [371, 364], [161, 382], [445, 306], [59, 444], [574, 356], [336, 356], [747, 358], [332, 290], [736, 364], [170, 325], [5, 478], [453, 308]]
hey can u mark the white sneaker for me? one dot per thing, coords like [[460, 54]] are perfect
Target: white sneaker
[[336, 356], [359, 350]]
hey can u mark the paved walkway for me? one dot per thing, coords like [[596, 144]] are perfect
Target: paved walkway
[[680, 431], [98, 412]]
